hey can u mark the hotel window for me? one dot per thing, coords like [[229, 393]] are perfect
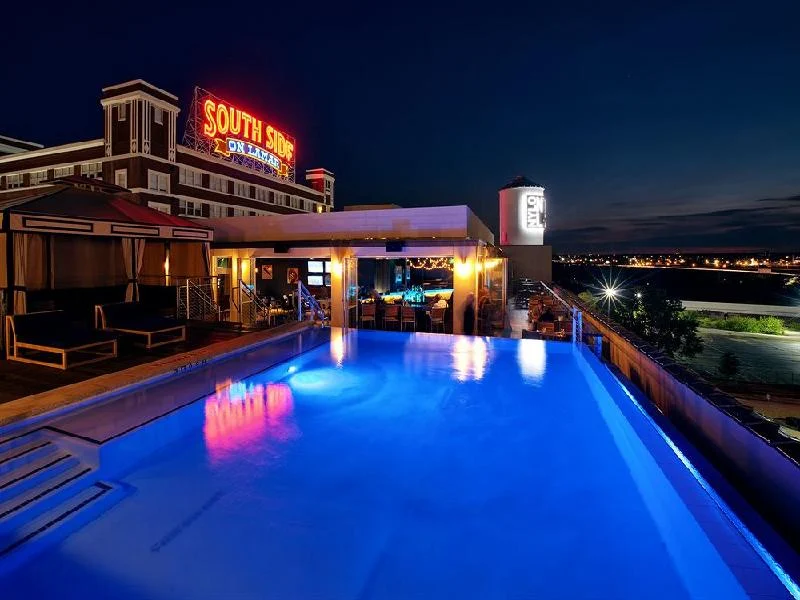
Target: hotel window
[[159, 206], [189, 176], [271, 197], [92, 170], [241, 189], [63, 171], [37, 177], [158, 182], [158, 115], [262, 194], [121, 177], [190, 209], [14, 181], [327, 184], [216, 211], [123, 111], [218, 184]]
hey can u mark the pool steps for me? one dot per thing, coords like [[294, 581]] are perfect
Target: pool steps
[[47, 491]]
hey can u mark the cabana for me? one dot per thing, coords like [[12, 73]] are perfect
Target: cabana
[[84, 235]]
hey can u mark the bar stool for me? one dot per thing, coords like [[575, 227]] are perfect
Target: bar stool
[[408, 315], [437, 318], [391, 314], [368, 313]]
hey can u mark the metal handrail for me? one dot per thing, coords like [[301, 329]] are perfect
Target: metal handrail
[[190, 295], [304, 296], [575, 311], [260, 306]]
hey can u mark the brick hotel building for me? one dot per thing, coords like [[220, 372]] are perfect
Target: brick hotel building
[[139, 152]]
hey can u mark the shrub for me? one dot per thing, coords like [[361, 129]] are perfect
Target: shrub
[[771, 325], [729, 364]]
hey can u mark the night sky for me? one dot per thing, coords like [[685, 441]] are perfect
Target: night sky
[[652, 125]]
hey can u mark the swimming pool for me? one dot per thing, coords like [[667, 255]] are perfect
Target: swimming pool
[[388, 465]]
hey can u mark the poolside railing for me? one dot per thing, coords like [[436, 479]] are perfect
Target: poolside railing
[[253, 309], [308, 305], [194, 299], [574, 310]]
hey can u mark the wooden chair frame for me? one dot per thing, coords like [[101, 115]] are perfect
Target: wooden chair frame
[[408, 315], [368, 313]]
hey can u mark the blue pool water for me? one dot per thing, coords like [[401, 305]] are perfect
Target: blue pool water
[[400, 466]]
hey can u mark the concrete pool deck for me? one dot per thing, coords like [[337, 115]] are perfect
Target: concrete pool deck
[[63, 397]]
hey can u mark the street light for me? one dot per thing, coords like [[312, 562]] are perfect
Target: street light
[[610, 293]]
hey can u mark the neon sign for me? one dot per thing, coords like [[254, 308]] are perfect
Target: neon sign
[[235, 132], [533, 211]]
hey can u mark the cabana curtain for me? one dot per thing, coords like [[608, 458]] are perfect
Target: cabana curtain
[[187, 260], [30, 267], [20, 263], [84, 262], [3, 262], [129, 247], [207, 257]]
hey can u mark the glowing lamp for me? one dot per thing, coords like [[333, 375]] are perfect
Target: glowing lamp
[[463, 267]]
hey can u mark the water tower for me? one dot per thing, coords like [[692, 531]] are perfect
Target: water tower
[[522, 213], [523, 218]]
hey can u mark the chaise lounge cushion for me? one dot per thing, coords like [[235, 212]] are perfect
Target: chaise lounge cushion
[[54, 330], [133, 317]]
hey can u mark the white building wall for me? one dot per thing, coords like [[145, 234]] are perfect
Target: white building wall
[[522, 216]]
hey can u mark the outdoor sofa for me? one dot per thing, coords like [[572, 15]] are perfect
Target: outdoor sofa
[[133, 319], [51, 339]]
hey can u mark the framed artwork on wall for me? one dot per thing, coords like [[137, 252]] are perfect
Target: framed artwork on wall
[[292, 275], [266, 272]]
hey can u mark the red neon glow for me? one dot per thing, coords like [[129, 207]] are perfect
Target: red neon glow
[[238, 416], [222, 120]]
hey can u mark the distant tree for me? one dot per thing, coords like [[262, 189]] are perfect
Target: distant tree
[[588, 298], [729, 364], [660, 320]]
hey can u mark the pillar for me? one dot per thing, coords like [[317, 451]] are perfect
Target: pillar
[[464, 283], [338, 286], [236, 269]]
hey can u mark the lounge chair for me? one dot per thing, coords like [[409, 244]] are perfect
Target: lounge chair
[[32, 337], [133, 319]]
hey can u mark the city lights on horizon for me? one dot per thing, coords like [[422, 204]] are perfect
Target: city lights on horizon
[[761, 262]]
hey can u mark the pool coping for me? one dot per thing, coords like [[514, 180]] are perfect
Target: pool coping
[[29, 411]]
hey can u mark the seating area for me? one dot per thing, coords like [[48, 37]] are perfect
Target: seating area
[[548, 317], [402, 316], [133, 319], [51, 339]]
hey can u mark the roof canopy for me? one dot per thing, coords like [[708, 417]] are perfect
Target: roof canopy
[[436, 222], [520, 181], [78, 210]]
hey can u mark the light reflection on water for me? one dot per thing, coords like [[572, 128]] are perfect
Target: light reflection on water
[[338, 349], [239, 414], [463, 358], [532, 359], [470, 355]]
